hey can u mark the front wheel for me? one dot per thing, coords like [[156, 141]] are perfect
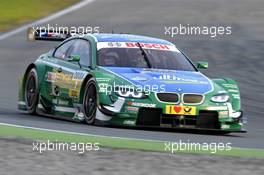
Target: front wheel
[[31, 91], [90, 101]]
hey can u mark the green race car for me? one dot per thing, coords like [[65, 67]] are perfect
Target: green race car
[[127, 80]]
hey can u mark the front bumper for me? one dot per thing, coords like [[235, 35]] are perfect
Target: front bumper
[[129, 112]]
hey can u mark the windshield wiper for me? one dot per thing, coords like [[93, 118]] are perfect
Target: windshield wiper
[[144, 54]]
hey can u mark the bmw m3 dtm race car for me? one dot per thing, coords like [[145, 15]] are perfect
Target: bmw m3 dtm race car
[[127, 80]]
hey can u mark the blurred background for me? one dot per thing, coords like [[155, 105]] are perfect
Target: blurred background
[[238, 56]]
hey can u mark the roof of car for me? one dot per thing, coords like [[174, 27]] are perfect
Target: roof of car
[[104, 37]]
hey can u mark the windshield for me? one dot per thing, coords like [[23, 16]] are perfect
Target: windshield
[[133, 57]]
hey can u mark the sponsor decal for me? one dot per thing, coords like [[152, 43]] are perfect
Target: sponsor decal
[[131, 109], [155, 46], [73, 93], [129, 122], [114, 44], [147, 105], [78, 75], [66, 80], [233, 90], [148, 46], [51, 76], [156, 78], [60, 102], [102, 79], [176, 79], [62, 77], [180, 110], [233, 86]]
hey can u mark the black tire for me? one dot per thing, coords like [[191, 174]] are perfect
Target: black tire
[[90, 102], [31, 91]]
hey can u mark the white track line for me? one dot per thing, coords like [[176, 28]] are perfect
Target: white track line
[[102, 136], [46, 19], [77, 133]]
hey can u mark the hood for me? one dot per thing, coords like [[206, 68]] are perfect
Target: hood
[[165, 80]]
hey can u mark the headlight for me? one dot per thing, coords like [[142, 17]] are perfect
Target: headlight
[[220, 98], [130, 93]]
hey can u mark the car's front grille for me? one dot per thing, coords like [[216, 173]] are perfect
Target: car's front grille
[[168, 97], [192, 98]]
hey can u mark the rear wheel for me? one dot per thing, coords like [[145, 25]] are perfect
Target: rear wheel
[[90, 102], [31, 91]]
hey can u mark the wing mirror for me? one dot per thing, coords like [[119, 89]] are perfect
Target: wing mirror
[[202, 65], [74, 58]]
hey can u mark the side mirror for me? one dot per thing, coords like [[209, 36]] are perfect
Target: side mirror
[[74, 58], [202, 65]]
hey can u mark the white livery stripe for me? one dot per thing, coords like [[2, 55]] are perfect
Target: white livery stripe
[[65, 109]]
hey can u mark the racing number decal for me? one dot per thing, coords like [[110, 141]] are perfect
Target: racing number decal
[[180, 110]]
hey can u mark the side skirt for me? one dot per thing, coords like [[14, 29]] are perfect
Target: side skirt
[[64, 113]]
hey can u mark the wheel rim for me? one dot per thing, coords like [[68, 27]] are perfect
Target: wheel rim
[[90, 102], [30, 91]]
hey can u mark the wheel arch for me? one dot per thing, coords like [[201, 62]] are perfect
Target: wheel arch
[[40, 72], [22, 81], [30, 66]]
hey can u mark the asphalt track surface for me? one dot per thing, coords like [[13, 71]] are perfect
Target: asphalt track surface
[[239, 56]]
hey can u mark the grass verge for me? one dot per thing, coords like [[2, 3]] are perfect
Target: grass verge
[[114, 142], [17, 12]]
